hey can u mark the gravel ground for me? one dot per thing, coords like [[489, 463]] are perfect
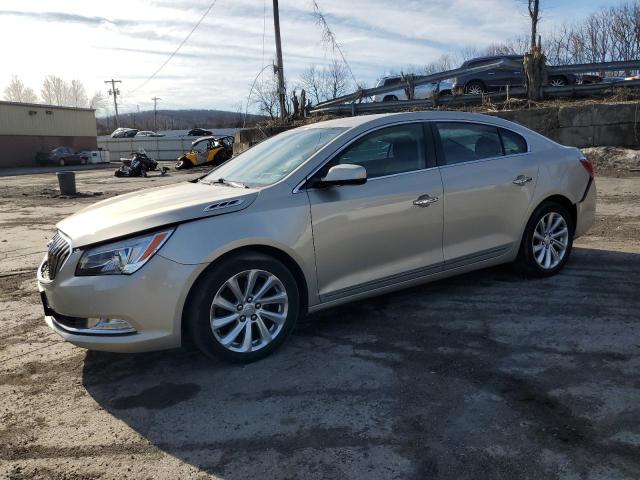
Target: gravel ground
[[483, 376]]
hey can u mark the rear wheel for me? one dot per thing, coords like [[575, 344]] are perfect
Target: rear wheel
[[62, 162], [244, 308], [557, 81], [547, 241], [390, 98], [182, 164]]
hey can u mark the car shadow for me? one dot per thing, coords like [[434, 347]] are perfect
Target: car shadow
[[469, 377]]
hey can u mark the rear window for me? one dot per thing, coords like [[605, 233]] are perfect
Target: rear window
[[512, 142], [391, 81], [464, 142]]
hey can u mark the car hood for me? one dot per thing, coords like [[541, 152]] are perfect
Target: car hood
[[152, 208]]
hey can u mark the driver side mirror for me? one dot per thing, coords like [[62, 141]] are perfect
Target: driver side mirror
[[344, 174]]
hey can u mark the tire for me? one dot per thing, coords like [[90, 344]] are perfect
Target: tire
[[474, 87], [390, 98], [83, 161], [182, 165], [532, 256], [557, 81], [279, 319], [62, 162], [220, 158]]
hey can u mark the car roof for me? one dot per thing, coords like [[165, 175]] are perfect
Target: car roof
[[212, 137], [427, 115], [492, 57]]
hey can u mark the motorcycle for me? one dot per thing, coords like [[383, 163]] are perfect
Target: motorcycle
[[138, 165]]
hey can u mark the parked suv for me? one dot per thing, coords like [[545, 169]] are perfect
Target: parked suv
[[509, 73], [309, 219], [421, 91]]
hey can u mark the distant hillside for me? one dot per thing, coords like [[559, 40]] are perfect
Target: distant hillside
[[177, 120]]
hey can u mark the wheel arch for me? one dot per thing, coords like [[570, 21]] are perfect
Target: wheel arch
[[269, 250], [475, 80], [565, 202]]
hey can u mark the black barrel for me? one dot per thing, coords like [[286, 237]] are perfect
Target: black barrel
[[67, 183]]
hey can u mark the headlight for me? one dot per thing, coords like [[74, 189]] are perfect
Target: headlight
[[124, 257]]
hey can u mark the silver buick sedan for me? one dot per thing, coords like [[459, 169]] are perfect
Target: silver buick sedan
[[310, 219]]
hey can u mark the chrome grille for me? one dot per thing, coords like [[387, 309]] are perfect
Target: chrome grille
[[59, 250]]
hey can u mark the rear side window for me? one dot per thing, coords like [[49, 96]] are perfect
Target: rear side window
[[391, 81], [465, 142], [512, 142]]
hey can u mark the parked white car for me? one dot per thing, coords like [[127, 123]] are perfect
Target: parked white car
[[149, 133], [421, 91]]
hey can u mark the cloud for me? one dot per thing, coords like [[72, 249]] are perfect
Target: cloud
[[56, 17], [130, 39]]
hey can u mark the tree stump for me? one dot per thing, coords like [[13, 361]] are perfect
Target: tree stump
[[409, 81], [535, 72]]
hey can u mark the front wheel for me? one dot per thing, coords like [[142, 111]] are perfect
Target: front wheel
[[243, 308], [474, 88], [547, 241]]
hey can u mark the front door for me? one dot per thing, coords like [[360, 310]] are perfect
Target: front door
[[489, 180], [386, 230]]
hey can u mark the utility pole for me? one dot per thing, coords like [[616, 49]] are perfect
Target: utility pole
[[115, 92], [279, 69], [155, 113]]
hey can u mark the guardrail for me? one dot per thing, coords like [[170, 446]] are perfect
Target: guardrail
[[340, 105]]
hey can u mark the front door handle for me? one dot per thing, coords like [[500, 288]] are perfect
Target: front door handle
[[522, 180], [425, 200]]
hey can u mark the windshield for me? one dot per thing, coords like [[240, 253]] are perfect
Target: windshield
[[272, 160]]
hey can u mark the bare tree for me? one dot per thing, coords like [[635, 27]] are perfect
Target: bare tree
[[337, 79], [534, 14], [313, 81], [17, 91], [77, 96], [55, 91], [266, 98], [97, 100]]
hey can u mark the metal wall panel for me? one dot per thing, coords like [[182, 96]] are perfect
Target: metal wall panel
[[45, 120]]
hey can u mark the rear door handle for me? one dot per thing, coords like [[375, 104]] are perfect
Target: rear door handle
[[522, 180], [425, 200]]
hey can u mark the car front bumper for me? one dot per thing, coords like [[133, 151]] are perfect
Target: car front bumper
[[150, 300]]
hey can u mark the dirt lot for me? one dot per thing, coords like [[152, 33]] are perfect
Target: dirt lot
[[488, 375]]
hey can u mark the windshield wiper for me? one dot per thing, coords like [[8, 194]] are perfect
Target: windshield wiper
[[222, 181]]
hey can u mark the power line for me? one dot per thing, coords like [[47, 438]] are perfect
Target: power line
[[177, 49]]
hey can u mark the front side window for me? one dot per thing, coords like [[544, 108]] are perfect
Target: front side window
[[512, 142], [465, 142], [275, 158], [388, 151]]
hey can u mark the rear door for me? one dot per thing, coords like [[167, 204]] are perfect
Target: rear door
[[387, 230], [488, 179]]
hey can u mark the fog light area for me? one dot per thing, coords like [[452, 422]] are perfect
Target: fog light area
[[109, 325]]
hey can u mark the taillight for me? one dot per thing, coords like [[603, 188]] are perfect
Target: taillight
[[588, 166]]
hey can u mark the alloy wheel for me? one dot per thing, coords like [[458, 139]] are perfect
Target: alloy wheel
[[249, 311], [557, 82], [475, 90], [550, 240]]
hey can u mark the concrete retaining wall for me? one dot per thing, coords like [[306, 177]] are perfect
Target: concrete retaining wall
[[596, 125], [247, 137]]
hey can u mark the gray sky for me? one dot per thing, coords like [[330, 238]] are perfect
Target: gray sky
[[129, 39]]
